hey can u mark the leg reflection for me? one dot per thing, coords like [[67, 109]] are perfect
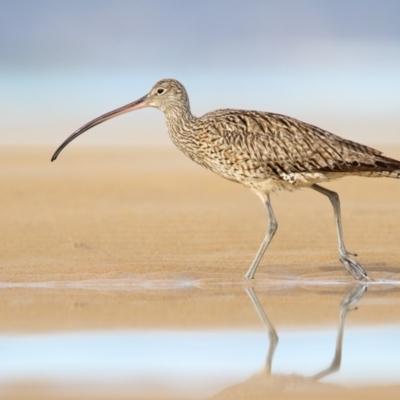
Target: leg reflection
[[273, 337], [265, 384], [352, 297]]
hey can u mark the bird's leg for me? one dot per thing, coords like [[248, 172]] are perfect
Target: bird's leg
[[351, 265], [272, 227]]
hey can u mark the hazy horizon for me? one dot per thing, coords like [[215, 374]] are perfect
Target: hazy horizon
[[335, 65]]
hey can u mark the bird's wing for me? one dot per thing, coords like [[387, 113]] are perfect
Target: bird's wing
[[291, 146]]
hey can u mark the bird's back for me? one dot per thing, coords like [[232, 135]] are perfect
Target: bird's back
[[260, 144]]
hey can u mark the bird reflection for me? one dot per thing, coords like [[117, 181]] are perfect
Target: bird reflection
[[265, 380]]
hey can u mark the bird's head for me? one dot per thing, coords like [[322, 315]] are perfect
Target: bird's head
[[166, 95]]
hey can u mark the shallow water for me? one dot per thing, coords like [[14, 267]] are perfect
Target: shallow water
[[201, 361]]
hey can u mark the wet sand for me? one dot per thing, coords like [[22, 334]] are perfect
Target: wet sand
[[142, 238]]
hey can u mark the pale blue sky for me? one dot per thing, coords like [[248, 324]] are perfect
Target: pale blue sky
[[333, 64]]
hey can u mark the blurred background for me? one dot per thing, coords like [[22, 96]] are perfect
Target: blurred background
[[335, 64]]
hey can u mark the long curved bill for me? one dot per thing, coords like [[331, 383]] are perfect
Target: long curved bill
[[141, 103]]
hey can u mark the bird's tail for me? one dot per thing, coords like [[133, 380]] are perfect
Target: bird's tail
[[391, 174], [380, 174], [384, 167]]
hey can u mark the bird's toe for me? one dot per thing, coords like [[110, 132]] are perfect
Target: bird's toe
[[354, 268]]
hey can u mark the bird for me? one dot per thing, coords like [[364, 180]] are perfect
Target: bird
[[263, 151]]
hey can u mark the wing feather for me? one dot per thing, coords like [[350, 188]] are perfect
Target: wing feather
[[293, 146]]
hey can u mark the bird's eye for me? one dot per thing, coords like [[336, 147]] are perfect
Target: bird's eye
[[160, 91]]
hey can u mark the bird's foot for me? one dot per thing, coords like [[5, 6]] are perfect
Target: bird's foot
[[249, 275], [354, 267]]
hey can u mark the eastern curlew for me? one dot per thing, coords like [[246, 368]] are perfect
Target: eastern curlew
[[263, 151]]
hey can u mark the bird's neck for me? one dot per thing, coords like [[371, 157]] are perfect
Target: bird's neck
[[179, 122], [181, 125], [178, 114]]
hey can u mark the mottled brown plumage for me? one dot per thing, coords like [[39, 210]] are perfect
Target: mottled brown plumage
[[263, 151]]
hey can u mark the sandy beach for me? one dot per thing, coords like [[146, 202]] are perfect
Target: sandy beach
[[142, 238]]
